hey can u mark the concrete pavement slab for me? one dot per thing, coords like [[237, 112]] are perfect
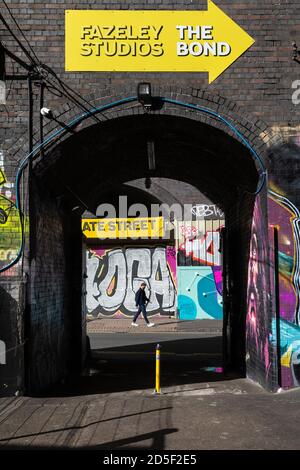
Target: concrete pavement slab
[[112, 405], [254, 419]]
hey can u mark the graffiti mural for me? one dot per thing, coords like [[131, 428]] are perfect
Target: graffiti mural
[[289, 352], [258, 325], [115, 274], [199, 269], [287, 218], [199, 243], [10, 224], [200, 294]]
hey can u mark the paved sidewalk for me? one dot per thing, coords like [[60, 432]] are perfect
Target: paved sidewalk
[[162, 324], [204, 416], [112, 406]]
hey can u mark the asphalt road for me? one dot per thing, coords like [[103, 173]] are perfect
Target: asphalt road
[[186, 343], [126, 362]]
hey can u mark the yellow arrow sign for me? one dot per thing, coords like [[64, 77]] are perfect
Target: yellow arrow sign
[[153, 41]]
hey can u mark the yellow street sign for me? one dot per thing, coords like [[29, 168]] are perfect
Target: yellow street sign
[[143, 227], [153, 41]]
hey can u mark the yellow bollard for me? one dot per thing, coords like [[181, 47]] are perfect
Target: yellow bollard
[[157, 372]]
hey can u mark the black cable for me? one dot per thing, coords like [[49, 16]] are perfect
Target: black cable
[[24, 37], [65, 85], [17, 40], [72, 98], [40, 66], [42, 89], [48, 69], [11, 82]]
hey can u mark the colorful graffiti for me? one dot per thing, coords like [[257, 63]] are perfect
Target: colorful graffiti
[[284, 214], [199, 270], [287, 220], [199, 243], [115, 274], [258, 324], [200, 293], [10, 224], [203, 249], [289, 353]]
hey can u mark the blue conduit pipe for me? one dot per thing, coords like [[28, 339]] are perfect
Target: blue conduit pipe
[[220, 118], [100, 109]]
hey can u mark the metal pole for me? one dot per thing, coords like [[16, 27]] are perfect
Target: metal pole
[[157, 371], [27, 318], [30, 114], [42, 88]]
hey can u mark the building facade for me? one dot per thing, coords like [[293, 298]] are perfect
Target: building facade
[[233, 135]]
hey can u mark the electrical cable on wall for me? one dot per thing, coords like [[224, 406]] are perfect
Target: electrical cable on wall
[[23, 35], [43, 70], [120, 102], [234, 130]]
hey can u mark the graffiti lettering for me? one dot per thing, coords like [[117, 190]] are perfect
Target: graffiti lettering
[[188, 231], [205, 249], [114, 275], [205, 210]]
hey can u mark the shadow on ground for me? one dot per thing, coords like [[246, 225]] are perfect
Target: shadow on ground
[[132, 368], [156, 438]]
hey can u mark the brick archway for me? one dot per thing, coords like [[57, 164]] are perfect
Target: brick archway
[[48, 215], [253, 129], [58, 158]]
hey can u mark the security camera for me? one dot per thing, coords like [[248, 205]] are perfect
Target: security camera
[[46, 112]]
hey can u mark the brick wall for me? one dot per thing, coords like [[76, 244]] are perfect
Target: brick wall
[[48, 295], [256, 87], [260, 81]]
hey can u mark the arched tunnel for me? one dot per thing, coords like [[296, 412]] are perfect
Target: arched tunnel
[[92, 166]]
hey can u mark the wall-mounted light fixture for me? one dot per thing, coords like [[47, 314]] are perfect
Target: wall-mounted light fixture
[[144, 95]]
